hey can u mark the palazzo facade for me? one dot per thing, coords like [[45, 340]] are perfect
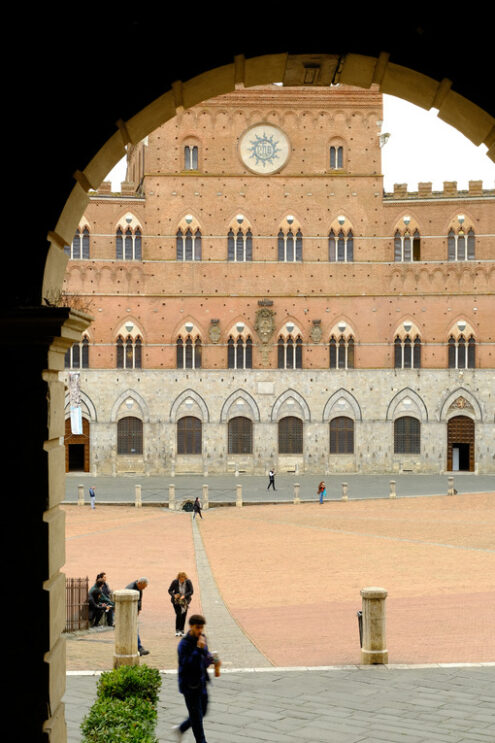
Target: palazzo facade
[[259, 301]]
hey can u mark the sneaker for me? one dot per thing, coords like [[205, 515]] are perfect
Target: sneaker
[[177, 732], [142, 651]]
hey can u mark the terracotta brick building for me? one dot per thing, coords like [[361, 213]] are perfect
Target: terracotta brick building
[[259, 301]]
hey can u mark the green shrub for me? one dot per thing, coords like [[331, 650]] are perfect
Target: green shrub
[[139, 681], [130, 720]]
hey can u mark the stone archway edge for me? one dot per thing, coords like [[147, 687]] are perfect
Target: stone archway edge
[[352, 69]]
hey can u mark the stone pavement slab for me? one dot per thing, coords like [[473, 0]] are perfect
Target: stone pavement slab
[[384, 704]]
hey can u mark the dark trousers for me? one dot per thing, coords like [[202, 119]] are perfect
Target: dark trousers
[[197, 704], [272, 483], [180, 618]]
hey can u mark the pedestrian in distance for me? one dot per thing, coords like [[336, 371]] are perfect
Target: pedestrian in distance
[[139, 585], [322, 491], [181, 591], [194, 659], [271, 480], [197, 508], [92, 496]]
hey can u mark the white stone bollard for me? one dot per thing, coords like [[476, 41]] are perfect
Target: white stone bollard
[[344, 491], [450, 490], [80, 495], [171, 497], [138, 500], [393, 493], [126, 628], [296, 493], [205, 504], [238, 495], [374, 649]]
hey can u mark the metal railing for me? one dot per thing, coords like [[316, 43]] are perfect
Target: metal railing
[[76, 604]]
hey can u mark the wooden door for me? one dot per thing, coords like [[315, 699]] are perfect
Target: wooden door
[[460, 434]]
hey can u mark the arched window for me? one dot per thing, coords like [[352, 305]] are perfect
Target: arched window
[[189, 435], [128, 245], [407, 353], [188, 353], [289, 246], [188, 245], [290, 436], [129, 352], [407, 247], [240, 436], [336, 157], [77, 357], [342, 435], [130, 436], [340, 246], [289, 352], [240, 245], [80, 246], [341, 352], [240, 353], [461, 247], [462, 353], [191, 157], [407, 435]]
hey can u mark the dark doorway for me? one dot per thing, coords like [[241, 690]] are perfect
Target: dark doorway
[[76, 457], [77, 448], [460, 444]]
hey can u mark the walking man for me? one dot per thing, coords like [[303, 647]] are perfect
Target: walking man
[[197, 508], [139, 585], [194, 659], [271, 480], [92, 496]]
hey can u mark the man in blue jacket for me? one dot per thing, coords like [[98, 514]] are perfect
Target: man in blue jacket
[[194, 659]]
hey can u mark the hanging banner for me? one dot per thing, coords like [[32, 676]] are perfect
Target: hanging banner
[[75, 403], [76, 420]]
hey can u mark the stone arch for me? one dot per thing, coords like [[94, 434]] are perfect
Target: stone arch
[[468, 405], [89, 404], [331, 409], [182, 398], [407, 402], [248, 399], [303, 405], [135, 397]]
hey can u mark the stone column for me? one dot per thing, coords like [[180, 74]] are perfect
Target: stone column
[[171, 497], [344, 491], [138, 500], [450, 490], [296, 493], [393, 493], [205, 505], [80, 495], [238, 495], [126, 628], [374, 648]]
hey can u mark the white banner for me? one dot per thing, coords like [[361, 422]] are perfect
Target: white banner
[[76, 420]]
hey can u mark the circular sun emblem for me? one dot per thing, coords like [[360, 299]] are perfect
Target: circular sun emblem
[[264, 149]]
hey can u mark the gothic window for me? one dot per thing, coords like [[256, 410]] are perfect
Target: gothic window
[[240, 353], [130, 436], [407, 435], [240, 436], [341, 352], [336, 157], [289, 246], [461, 247], [342, 435], [290, 436], [188, 353], [407, 247], [189, 435], [340, 246], [407, 353], [289, 352], [240, 246], [80, 246], [461, 353], [128, 245], [129, 352], [77, 357], [188, 245], [190, 157]]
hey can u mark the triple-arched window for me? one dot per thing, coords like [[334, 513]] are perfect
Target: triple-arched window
[[289, 352], [240, 436], [77, 357], [342, 435], [128, 244], [461, 246], [407, 435], [341, 352], [129, 352], [80, 246], [462, 352], [188, 245], [407, 352], [188, 352], [341, 246], [240, 353], [407, 247], [289, 245], [130, 436], [240, 245], [290, 435]]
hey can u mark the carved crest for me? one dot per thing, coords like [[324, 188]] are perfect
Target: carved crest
[[461, 402], [265, 324]]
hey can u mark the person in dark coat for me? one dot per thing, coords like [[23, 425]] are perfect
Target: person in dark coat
[[181, 591], [107, 597], [197, 508], [194, 659], [96, 602]]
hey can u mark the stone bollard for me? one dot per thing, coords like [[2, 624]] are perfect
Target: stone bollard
[[450, 490], [238, 495], [374, 649], [126, 628], [171, 497], [296, 493], [344, 491], [393, 493], [205, 504], [80, 495], [138, 500]]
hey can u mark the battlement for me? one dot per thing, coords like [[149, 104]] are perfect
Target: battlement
[[450, 190], [127, 189]]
